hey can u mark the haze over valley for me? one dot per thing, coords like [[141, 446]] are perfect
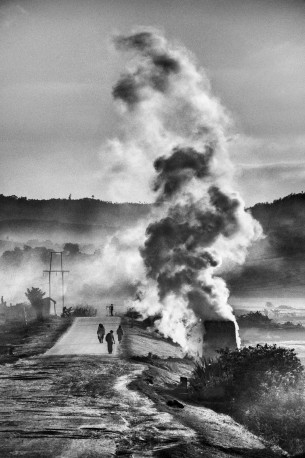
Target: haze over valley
[[29, 229]]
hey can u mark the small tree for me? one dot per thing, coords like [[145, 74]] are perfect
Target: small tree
[[35, 296], [255, 319]]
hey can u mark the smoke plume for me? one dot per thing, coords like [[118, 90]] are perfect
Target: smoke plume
[[198, 222]]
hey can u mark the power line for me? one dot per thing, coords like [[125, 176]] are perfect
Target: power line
[[63, 272]]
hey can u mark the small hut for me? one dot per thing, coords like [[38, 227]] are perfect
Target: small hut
[[46, 306]]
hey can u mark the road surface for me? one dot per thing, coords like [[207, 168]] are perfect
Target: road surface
[[81, 338], [77, 401]]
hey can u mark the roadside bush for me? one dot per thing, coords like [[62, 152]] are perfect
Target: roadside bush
[[255, 319], [133, 313], [84, 310], [278, 414], [150, 320], [262, 387], [207, 374], [248, 368]]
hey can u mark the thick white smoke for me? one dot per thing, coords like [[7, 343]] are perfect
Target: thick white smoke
[[175, 139], [110, 275]]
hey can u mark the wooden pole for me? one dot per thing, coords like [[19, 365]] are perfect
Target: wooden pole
[[62, 282], [25, 317], [62, 272]]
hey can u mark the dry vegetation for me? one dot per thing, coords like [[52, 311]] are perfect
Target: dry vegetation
[[32, 339], [262, 387]]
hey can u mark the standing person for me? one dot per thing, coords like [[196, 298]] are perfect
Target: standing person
[[100, 333], [120, 333], [110, 341], [111, 310]]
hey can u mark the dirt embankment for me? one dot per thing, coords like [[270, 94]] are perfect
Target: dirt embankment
[[215, 435], [77, 406], [81, 406], [20, 341]]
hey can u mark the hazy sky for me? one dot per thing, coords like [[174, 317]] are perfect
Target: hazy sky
[[58, 68]]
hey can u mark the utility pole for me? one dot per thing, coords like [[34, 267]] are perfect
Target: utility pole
[[61, 271]]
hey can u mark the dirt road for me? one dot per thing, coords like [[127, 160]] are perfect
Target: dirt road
[[81, 338], [75, 402]]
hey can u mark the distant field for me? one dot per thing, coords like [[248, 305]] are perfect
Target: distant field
[[287, 338], [258, 303]]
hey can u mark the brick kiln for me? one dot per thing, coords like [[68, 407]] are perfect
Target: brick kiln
[[218, 334]]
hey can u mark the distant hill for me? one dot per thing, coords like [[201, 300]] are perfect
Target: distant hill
[[80, 211], [23, 218], [276, 264], [283, 222]]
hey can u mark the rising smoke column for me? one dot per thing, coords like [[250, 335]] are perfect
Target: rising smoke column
[[198, 221]]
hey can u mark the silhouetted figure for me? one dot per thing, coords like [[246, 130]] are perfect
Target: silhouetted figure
[[66, 312], [120, 333], [101, 333], [111, 310], [110, 341]]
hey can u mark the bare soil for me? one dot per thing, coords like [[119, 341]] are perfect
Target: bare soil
[[74, 406]]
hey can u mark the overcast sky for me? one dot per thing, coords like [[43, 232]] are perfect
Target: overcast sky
[[58, 69]]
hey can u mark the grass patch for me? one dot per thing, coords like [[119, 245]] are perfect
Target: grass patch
[[92, 378], [33, 339]]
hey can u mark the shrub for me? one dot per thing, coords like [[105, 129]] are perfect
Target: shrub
[[249, 367], [150, 320], [132, 313], [278, 414], [207, 373], [84, 310], [255, 319], [262, 387], [244, 371]]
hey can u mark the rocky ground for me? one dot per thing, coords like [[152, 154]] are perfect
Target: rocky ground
[[98, 406]]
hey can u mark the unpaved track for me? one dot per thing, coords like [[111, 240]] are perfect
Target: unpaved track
[[73, 402], [70, 405], [81, 338]]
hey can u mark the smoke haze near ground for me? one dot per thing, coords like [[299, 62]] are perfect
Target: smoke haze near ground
[[101, 268], [174, 123], [97, 275]]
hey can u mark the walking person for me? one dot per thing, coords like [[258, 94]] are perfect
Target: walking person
[[110, 341], [101, 333], [120, 333], [111, 310]]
